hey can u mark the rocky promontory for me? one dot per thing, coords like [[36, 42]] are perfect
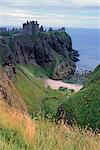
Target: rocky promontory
[[51, 50]]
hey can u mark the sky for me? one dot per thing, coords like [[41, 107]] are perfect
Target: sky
[[54, 13]]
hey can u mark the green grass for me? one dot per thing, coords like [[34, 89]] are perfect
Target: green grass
[[17, 130], [30, 88], [85, 105], [49, 136], [58, 59], [53, 137], [35, 70], [95, 77], [4, 34], [8, 137], [51, 102]]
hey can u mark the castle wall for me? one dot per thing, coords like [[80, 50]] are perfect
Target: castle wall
[[27, 29], [3, 29], [30, 28], [35, 28]]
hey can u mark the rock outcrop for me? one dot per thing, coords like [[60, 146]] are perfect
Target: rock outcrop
[[9, 93], [51, 50]]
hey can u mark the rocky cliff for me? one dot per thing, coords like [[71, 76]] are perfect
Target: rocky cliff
[[51, 50], [9, 93]]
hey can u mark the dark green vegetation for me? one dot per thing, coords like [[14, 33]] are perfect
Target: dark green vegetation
[[94, 78], [85, 105], [32, 90], [11, 136], [19, 131], [4, 34], [52, 101]]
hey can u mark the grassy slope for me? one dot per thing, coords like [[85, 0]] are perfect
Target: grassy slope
[[16, 130], [85, 105], [95, 77], [19, 132], [30, 88], [81, 104], [35, 70], [52, 100], [9, 94], [33, 92]]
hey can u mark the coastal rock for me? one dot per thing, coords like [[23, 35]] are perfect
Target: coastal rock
[[51, 50], [9, 94], [6, 55]]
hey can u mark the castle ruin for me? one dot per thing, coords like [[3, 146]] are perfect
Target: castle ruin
[[31, 28], [3, 29]]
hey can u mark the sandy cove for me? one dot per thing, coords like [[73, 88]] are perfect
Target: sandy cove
[[54, 84], [57, 84]]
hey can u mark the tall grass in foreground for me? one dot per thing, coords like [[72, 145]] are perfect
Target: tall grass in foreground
[[19, 132], [54, 137], [15, 128]]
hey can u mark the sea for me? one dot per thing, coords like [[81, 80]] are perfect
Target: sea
[[87, 42]]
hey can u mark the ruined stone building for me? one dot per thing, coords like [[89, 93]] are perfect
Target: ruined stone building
[[61, 30], [31, 28], [3, 29]]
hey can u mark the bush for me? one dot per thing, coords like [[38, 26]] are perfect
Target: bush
[[85, 105]]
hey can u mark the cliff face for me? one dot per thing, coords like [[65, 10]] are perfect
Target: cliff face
[[52, 51], [9, 94]]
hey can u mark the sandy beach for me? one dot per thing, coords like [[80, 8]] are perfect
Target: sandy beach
[[57, 84]]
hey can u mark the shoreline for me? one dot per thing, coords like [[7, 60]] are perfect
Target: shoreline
[[54, 84]]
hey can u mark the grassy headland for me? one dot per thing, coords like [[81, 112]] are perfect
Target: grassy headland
[[19, 131]]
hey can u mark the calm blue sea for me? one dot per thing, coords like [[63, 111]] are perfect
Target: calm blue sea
[[87, 42]]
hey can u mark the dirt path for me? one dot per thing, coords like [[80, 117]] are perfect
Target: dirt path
[[57, 84]]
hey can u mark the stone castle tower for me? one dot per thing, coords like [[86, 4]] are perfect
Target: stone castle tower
[[31, 28]]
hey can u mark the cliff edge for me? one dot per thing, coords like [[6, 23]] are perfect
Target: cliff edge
[[51, 50]]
